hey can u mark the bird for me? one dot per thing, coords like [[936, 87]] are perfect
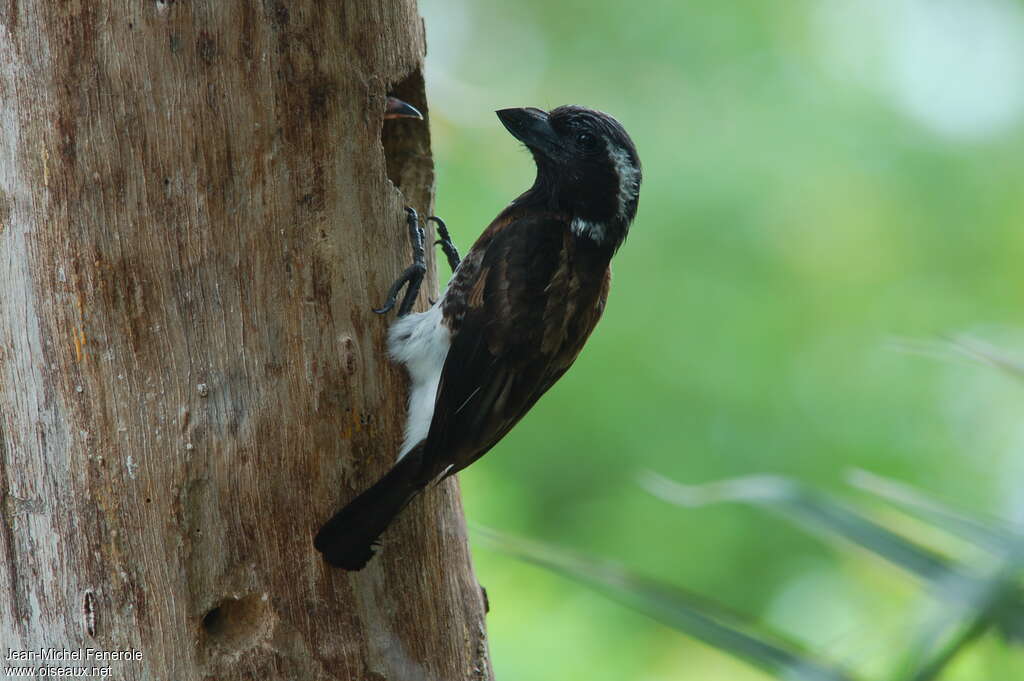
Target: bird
[[396, 108], [513, 318]]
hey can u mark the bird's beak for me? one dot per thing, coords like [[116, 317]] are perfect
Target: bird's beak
[[531, 127], [396, 108]]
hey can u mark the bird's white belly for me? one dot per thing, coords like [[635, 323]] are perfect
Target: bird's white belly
[[420, 341]]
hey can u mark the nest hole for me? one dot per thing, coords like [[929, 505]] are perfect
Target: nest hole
[[238, 623], [406, 141]]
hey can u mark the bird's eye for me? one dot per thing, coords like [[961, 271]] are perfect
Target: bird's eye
[[586, 140]]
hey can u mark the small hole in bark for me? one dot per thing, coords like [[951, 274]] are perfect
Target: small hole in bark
[[89, 613], [238, 623], [213, 623], [406, 141]]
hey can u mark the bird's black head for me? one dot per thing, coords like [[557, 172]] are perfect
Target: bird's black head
[[587, 166]]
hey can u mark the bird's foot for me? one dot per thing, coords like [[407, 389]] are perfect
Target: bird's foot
[[413, 274], [445, 241]]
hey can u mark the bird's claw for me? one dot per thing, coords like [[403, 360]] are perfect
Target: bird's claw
[[445, 242], [412, 275]]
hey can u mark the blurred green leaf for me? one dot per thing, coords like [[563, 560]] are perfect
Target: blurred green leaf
[[984, 607], [988, 354], [946, 578], [991, 534], [811, 509], [964, 346], [685, 612], [932, 665], [999, 597]]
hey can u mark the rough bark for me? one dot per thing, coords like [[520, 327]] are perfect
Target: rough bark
[[198, 209]]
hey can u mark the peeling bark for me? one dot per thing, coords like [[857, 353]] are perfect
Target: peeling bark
[[196, 215]]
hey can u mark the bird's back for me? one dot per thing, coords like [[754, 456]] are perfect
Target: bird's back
[[522, 304]]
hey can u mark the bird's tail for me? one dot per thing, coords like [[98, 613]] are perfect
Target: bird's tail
[[347, 540]]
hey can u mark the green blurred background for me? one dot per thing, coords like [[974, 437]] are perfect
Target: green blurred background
[[824, 180]]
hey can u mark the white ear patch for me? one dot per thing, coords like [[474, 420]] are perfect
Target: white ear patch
[[629, 187], [629, 178]]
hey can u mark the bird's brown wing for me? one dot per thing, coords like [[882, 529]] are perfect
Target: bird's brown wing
[[529, 300]]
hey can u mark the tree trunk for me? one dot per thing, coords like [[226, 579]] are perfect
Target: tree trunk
[[198, 209]]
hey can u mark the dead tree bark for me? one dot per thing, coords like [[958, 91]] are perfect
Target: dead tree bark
[[198, 209]]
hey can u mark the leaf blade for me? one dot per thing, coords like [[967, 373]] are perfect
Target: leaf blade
[[685, 612]]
